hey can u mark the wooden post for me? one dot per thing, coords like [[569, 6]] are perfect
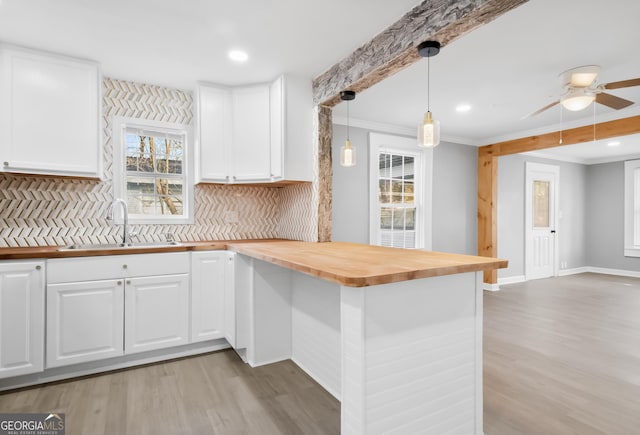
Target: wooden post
[[487, 211]]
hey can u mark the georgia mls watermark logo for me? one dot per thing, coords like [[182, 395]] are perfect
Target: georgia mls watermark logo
[[32, 424]]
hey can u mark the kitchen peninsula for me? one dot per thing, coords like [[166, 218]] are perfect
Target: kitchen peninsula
[[395, 334]]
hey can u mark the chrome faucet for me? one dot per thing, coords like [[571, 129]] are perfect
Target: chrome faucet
[[125, 211]]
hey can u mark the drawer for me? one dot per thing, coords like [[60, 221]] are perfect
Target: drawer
[[61, 270]]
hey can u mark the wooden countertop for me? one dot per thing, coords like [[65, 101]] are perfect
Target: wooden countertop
[[54, 252], [357, 265], [350, 264]]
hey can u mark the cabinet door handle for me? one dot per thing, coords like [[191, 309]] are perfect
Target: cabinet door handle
[[5, 164], [38, 267], [128, 281], [124, 266], [119, 282]]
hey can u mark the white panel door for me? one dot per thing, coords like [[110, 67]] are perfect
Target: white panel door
[[156, 312], [541, 220], [84, 321], [208, 295], [21, 318], [251, 149]]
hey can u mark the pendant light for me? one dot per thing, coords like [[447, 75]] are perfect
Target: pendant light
[[429, 130], [347, 152]]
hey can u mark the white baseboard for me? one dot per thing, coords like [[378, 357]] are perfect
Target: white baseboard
[[574, 271], [511, 279], [619, 272], [490, 287]]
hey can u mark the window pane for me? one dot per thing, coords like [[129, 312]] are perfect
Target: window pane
[[385, 217], [540, 204], [384, 191], [408, 192], [396, 192]]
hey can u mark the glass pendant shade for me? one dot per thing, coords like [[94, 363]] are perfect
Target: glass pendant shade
[[347, 154], [429, 132]]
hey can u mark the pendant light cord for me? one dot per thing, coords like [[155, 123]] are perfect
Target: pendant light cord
[[428, 83], [347, 120]]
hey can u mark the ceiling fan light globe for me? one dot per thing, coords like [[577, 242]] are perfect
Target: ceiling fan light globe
[[577, 99]]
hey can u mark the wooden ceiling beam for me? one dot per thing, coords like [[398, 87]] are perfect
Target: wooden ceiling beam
[[603, 130], [395, 48]]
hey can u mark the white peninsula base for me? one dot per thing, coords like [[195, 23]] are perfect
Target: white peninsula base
[[403, 357]]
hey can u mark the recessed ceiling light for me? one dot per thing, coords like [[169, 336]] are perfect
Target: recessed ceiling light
[[238, 55], [614, 143], [461, 108]]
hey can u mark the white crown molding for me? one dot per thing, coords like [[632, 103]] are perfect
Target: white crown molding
[[579, 160]]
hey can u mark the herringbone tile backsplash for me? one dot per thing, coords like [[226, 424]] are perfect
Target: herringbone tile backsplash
[[43, 211]]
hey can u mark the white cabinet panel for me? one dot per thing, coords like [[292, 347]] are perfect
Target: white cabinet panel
[[208, 295], [49, 114], [84, 321], [213, 138], [251, 157], [156, 312], [21, 318]]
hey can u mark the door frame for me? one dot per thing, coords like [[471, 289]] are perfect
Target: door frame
[[531, 167]]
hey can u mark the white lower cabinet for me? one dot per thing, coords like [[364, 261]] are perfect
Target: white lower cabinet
[[156, 312], [21, 317], [120, 312], [84, 321], [212, 312]]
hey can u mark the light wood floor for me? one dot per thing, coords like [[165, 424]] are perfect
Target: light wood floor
[[561, 356]]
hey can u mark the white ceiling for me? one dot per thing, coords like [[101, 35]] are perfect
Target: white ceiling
[[505, 69]]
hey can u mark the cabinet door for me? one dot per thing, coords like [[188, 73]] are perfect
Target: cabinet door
[[208, 295], [49, 114], [84, 321], [213, 120], [277, 127], [21, 318], [251, 158], [156, 312]]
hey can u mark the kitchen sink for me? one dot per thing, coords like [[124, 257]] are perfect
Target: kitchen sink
[[109, 246]]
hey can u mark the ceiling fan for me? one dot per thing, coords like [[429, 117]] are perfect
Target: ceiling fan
[[581, 89]]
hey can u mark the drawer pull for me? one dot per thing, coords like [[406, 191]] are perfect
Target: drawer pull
[[5, 164], [119, 282], [128, 281], [38, 267], [124, 266]]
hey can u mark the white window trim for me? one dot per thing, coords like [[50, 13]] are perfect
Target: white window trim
[[118, 126], [631, 249], [423, 191]]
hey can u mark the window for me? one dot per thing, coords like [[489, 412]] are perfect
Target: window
[[152, 171], [400, 193], [632, 208]]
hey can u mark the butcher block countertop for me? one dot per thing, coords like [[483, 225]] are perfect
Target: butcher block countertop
[[349, 264], [54, 252], [357, 265]]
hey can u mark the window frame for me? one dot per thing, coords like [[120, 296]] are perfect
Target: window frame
[[631, 215], [118, 128], [423, 172]]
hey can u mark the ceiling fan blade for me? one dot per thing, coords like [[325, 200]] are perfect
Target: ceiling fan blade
[[613, 101], [548, 106], [622, 84]]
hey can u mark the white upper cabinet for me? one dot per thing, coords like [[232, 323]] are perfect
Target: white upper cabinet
[[49, 114], [251, 153], [260, 133], [291, 129]]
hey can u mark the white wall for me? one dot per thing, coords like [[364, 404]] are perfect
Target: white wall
[[605, 218], [454, 194]]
